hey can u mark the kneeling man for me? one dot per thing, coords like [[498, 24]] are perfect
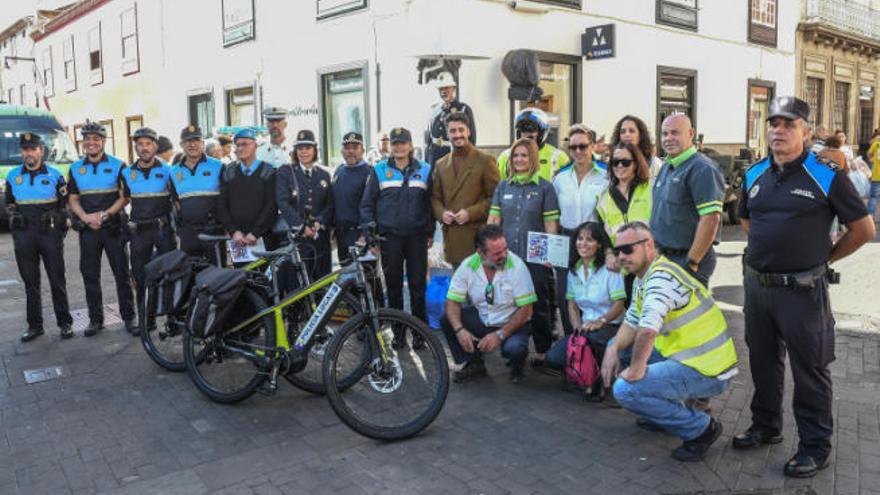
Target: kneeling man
[[674, 314]]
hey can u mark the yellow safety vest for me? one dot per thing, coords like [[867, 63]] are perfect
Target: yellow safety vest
[[551, 160], [639, 209], [695, 335]]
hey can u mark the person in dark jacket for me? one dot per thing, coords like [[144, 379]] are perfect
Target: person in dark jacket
[[349, 181], [398, 199]]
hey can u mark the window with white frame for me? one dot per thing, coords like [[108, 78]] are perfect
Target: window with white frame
[[48, 76], [96, 56], [763, 21], [241, 109], [238, 21], [69, 64], [130, 55]]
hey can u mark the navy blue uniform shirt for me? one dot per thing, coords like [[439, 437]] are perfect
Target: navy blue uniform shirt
[[399, 201], [348, 190]]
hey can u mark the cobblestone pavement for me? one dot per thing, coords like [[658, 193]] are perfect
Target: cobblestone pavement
[[115, 423]]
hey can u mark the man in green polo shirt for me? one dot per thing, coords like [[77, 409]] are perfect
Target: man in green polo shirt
[[688, 197]]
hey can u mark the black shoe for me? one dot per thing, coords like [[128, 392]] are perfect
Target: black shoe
[[93, 328], [419, 343], [132, 327], [805, 466], [31, 333], [694, 450], [755, 437], [517, 375], [470, 370], [151, 324], [66, 332], [648, 425]]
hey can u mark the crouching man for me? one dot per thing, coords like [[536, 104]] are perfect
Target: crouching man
[[499, 290], [673, 314]]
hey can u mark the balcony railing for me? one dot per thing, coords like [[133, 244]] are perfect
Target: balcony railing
[[847, 16]]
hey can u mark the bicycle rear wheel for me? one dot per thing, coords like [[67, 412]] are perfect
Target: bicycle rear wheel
[[228, 371], [394, 398]]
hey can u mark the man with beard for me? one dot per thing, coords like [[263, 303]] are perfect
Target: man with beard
[[36, 194], [498, 290], [146, 183], [276, 151], [96, 200], [349, 182], [436, 143]]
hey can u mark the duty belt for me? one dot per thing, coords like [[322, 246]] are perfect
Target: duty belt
[[49, 220], [806, 279], [140, 226]]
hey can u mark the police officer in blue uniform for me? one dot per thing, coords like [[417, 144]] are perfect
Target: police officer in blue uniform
[[36, 195], [398, 199], [146, 183], [96, 200], [304, 196], [195, 187], [349, 181], [789, 200]]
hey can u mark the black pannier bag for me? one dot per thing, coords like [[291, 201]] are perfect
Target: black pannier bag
[[168, 282], [213, 296]]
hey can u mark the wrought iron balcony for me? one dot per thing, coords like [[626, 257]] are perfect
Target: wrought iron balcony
[[845, 17]]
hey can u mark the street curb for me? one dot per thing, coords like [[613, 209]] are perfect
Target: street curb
[[857, 325]]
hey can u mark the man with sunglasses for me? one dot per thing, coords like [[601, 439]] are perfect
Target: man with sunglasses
[[498, 287], [787, 207], [680, 346]]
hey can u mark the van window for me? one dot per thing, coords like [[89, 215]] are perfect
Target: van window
[[59, 146]]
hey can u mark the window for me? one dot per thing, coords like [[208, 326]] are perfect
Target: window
[[760, 94], [814, 94], [109, 144], [48, 78], [840, 111], [130, 55], [344, 109], [201, 112], [678, 13], [866, 113], [558, 78], [762, 21], [132, 124], [676, 93], [22, 95], [96, 62], [241, 109], [238, 21], [69, 66], [330, 8]]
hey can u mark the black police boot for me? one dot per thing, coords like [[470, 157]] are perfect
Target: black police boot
[[805, 466], [754, 438], [694, 450], [66, 332], [93, 328], [132, 327], [31, 334], [470, 370]]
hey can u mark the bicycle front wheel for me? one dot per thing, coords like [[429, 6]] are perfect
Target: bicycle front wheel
[[228, 366], [398, 393]]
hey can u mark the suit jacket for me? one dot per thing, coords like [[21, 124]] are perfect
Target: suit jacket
[[472, 191]]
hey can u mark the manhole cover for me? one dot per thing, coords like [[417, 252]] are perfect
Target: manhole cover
[[43, 374]]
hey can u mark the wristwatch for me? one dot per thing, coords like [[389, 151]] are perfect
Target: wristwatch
[[459, 329], [500, 334], [603, 319], [104, 216]]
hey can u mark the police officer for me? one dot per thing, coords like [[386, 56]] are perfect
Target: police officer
[[195, 187], [349, 181], [305, 198], [437, 143], [398, 199], [276, 151], [533, 123], [36, 194], [147, 183], [96, 200], [788, 203]]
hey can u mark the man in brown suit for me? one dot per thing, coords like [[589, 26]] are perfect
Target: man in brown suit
[[464, 182]]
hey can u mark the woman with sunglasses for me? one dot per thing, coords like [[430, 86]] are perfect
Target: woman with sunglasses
[[524, 202], [595, 295], [631, 129], [578, 187]]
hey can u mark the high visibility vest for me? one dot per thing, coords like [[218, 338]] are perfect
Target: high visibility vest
[[551, 160], [695, 335], [639, 209]]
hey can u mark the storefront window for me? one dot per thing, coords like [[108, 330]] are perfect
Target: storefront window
[[558, 82], [345, 106], [676, 93]]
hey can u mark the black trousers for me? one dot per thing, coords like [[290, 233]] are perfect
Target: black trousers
[[345, 238], [542, 330], [144, 246], [561, 302], [413, 251], [31, 245], [91, 244], [799, 321]]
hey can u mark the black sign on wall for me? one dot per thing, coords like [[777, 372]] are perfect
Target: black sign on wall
[[598, 42]]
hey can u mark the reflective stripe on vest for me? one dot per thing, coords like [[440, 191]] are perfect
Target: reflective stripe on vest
[[697, 334], [639, 209], [822, 174]]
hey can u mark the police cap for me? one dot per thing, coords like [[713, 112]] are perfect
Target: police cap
[[145, 132], [352, 138], [190, 132], [275, 113], [30, 140], [400, 135], [789, 107], [164, 145], [305, 137], [246, 133]]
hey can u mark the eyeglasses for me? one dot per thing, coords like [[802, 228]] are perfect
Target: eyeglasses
[[627, 249], [579, 147], [490, 294], [621, 162]]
